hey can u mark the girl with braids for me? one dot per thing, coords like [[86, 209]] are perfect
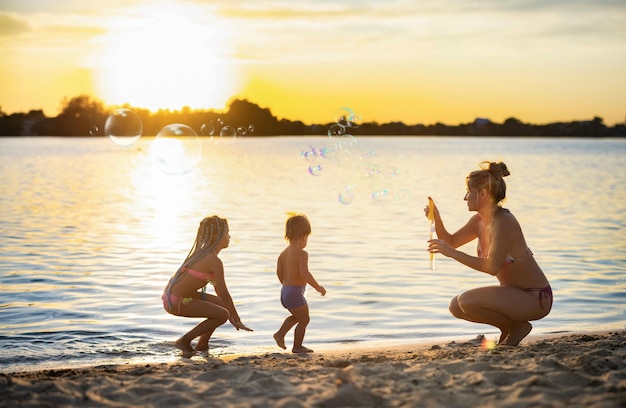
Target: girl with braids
[[524, 293], [202, 266]]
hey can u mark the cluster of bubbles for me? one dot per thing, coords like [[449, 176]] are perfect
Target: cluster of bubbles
[[227, 134], [177, 148], [360, 172]]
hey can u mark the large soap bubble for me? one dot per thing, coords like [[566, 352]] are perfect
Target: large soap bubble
[[176, 149], [123, 127]]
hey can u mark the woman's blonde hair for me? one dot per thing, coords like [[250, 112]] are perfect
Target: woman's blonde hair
[[491, 178]]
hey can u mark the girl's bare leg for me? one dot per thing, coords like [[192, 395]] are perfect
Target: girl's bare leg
[[279, 336], [216, 316], [302, 315], [203, 341]]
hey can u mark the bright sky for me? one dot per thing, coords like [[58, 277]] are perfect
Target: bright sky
[[425, 61]]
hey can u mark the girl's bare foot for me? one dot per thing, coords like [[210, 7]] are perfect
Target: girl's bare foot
[[518, 332], [202, 347], [280, 340], [185, 347], [301, 349]]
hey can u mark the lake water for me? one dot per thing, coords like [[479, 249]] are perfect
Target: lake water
[[91, 233]]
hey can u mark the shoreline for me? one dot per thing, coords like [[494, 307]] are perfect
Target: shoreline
[[562, 369]]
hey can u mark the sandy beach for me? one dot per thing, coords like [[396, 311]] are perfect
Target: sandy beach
[[557, 371]]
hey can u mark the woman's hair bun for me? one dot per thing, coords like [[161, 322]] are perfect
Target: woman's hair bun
[[498, 169]]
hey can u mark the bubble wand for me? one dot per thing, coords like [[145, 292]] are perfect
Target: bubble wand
[[431, 219]]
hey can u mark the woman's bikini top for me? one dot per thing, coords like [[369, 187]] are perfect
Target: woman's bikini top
[[509, 259], [207, 277]]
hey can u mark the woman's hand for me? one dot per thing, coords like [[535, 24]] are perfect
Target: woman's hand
[[439, 246], [238, 325], [435, 209]]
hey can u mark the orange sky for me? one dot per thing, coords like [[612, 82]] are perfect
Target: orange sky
[[447, 61]]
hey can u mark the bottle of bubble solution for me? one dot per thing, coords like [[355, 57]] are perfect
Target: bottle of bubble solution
[[431, 219]]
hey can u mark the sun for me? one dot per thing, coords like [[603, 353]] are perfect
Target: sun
[[165, 60]]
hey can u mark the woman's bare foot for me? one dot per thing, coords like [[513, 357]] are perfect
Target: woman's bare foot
[[301, 349], [280, 341], [185, 347], [518, 332], [503, 335]]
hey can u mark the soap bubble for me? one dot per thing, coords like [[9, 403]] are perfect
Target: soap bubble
[[380, 195], [342, 117], [228, 134], [123, 127], [329, 151], [347, 141], [242, 130], [310, 154], [346, 117], [207, 129], [403, 195], [176, 149], [346, 195], [94, 130], [336, 130], [250, 128], [315, 169]]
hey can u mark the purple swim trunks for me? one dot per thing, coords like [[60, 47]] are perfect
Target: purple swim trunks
[[292, 297]]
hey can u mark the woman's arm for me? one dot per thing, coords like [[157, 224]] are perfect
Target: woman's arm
[[499, 248], [461, 237]]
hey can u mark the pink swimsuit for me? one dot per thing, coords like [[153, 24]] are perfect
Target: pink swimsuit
[[173, 303]]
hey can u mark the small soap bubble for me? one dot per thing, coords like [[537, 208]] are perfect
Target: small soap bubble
[[207, 129], [347, 141], [250, 128], [336, 130], [329, 151], [176, 149], [344, 158], [346, 195], [123, 127], [310, 154], [355, 121], [371, 170], [242, 130], [94, 130], [380, 195], [368, 155], [348, 118], [315, 169], [389, 172], [403, 195], [220, 121], [343, 115], [228, 134]]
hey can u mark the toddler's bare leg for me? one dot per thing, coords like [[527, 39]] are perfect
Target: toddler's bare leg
[[279, 336]]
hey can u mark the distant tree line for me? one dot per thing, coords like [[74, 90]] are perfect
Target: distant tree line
[[81, 115]]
